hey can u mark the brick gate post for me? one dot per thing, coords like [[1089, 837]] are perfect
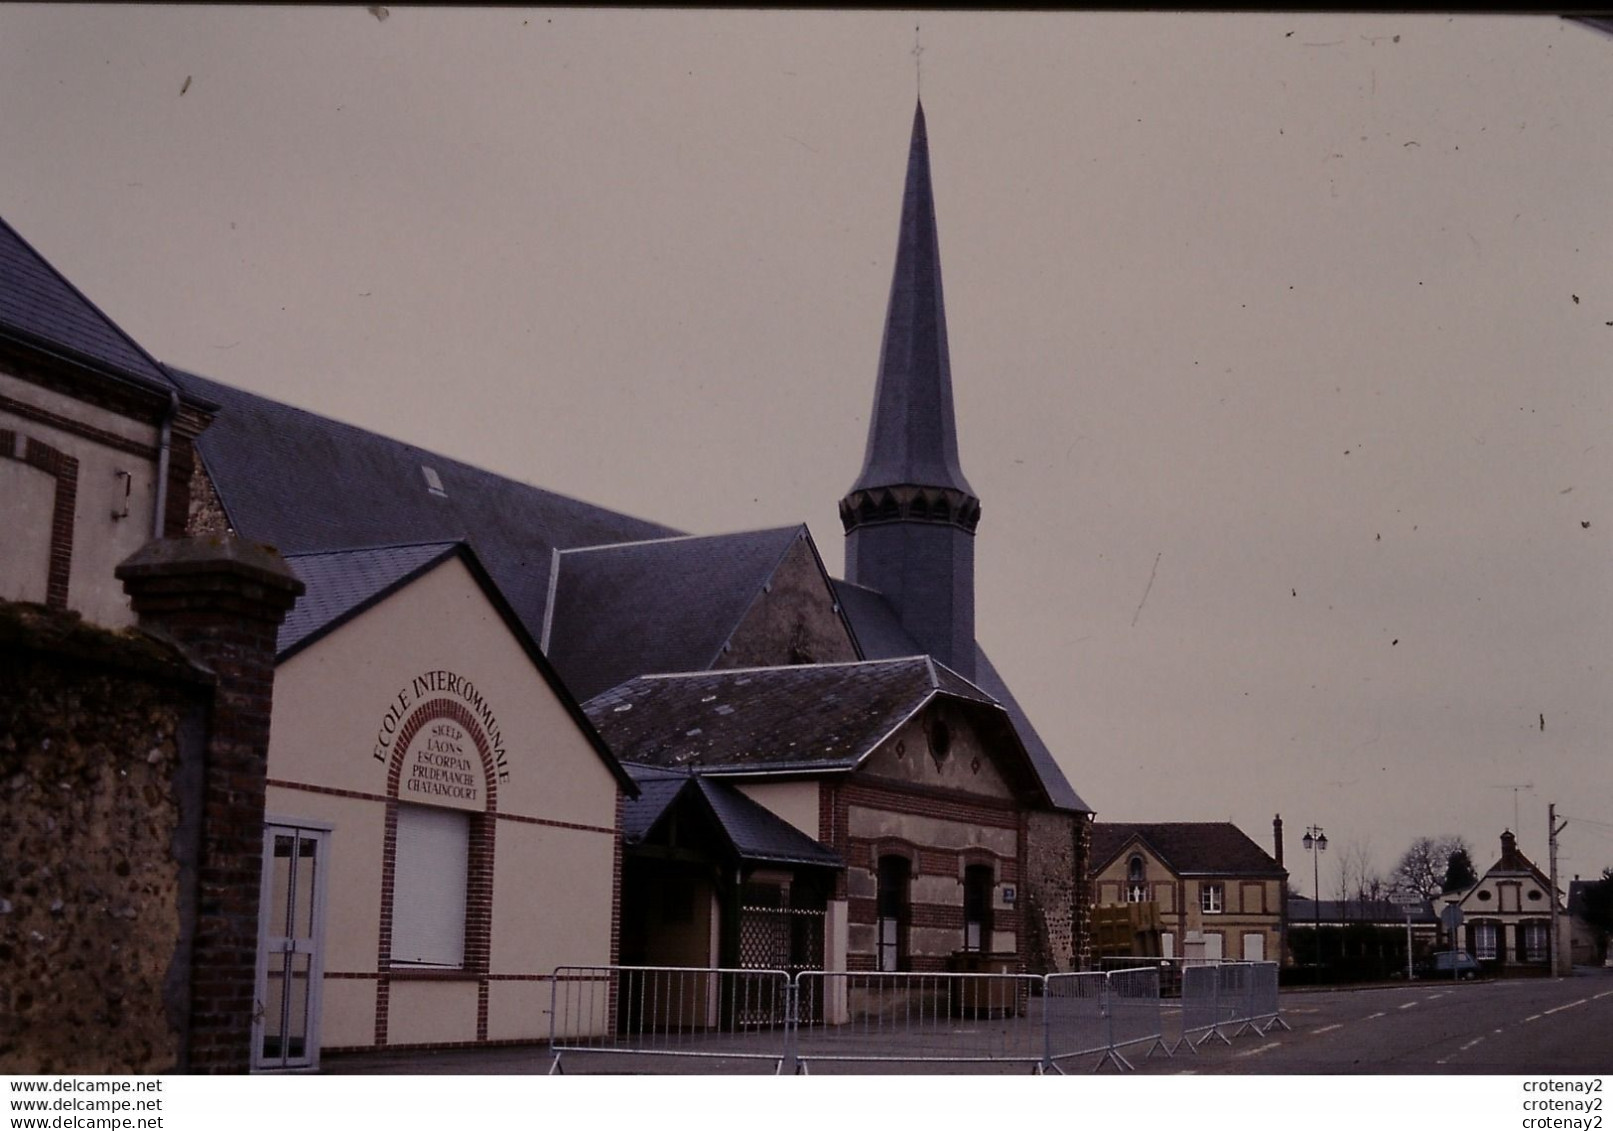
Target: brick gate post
[[222, 599]]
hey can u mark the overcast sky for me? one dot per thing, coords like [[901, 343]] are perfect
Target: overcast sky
[[1280, 342]]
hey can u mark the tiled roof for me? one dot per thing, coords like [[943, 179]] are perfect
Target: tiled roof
[[661, 606], [758, 833], [810, 717], [1188, 848], [881, 636], [343, 582], [657, 790], [305, 483], [40, 307], [754, 833]]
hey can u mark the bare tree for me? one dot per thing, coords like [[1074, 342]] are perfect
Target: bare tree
[[1359, 880], [1424, 865]]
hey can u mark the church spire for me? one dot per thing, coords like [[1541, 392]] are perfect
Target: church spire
[[910, 517], [912, 435]]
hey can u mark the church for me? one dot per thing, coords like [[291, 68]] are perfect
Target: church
[[704, 749]]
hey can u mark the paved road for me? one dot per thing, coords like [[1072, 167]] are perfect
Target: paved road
[[1556, 1026]]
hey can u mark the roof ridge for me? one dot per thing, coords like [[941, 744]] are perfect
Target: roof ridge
[[778, 668], [677, 538], [372, 548]]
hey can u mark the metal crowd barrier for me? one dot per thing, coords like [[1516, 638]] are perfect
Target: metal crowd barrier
[[1216, 998], [671, 1011], [1076, 1013], [1200, 1006], [1263, 1002], [887, 1017], [823, 1018], [1102, 1013]]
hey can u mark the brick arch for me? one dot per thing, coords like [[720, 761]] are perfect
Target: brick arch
[[479, 881], [454, 711], [64, 469]]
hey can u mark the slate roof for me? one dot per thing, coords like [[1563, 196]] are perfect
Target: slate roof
[[912, 434], [806, 718], [874, 623], [660, 606], [1303, 912], [881, 636], [308, 485], [342, 583], [305, 483], [754, 833], [1188, 848], [40, 308]]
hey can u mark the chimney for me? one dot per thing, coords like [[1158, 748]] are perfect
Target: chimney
[[1509, 850], [1277, 838]]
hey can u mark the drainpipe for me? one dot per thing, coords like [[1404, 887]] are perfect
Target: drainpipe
[[165, 440]]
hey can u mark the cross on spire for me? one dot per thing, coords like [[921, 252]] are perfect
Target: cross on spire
[[918, 60]]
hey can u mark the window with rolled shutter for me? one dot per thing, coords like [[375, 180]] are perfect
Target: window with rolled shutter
[[428, 889]]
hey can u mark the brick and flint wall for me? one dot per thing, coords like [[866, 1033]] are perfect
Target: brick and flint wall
[[100, 771]]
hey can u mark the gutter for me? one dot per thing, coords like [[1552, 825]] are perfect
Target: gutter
[[164, 448]]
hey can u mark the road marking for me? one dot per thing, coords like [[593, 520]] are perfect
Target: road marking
[[1570, 1005], [1375, 1016], [1258, 1051], [1408, 1005], [1600, 996], [1436, 997], [1536, 1017], [1328, 1029], [1471, 1043]]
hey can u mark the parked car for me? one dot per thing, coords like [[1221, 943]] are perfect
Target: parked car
[[1448, 964]]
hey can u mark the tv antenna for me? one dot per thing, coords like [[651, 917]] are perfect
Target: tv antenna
[[1529, 785]]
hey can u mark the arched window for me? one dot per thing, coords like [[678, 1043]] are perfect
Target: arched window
[[895, 877], [1136, 880]]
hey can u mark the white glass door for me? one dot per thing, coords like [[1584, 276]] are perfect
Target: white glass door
[[285, 1029]]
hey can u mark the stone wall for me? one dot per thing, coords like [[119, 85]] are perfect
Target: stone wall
[[205, 511], [99, 795], [1083, 892], [1050, 895]]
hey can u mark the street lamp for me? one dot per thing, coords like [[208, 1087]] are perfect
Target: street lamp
[[1316, 843]]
